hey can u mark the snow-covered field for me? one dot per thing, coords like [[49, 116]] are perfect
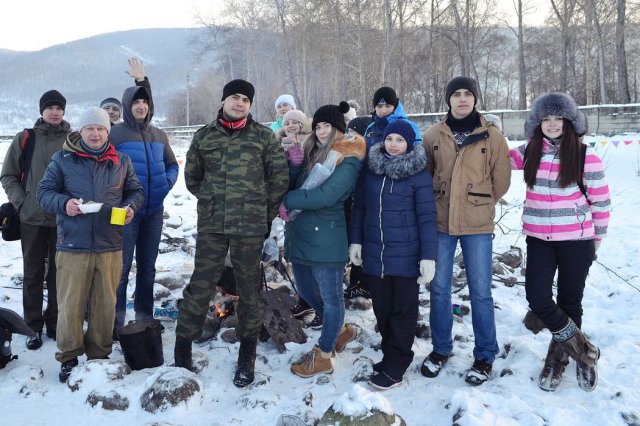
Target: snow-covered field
[[512, 397]]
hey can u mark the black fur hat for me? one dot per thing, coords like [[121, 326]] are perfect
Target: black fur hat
[[332, 114], [557, 103]]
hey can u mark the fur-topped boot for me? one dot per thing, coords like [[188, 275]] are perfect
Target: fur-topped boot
[[586, 354], [554, 365]]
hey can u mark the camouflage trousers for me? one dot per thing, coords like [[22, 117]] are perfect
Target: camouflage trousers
[[211, 250]]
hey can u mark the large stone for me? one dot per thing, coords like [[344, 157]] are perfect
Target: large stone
[[110, 400], [170, 280], [512, 258], [103, 370], [373, 418], [172, 386], [278, 320], [359, 407]]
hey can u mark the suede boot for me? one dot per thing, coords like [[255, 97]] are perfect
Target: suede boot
[[554, 365], [586, 354], [182, 353], [246, 362]]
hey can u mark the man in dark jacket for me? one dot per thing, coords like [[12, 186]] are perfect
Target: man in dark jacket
[[112, 105], [89, 257], [37, 227], [157, 170], [237, 170]]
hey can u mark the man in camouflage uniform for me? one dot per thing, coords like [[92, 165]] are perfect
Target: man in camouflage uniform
[[237, 170]]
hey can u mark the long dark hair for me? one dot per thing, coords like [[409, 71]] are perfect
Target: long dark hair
[[570, 148]]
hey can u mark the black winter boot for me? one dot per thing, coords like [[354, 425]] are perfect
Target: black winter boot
[[554, 365], [246, 362], [182, 353], [586, 354]]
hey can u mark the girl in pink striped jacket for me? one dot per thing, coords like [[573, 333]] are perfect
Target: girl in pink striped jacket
[[565, 217]]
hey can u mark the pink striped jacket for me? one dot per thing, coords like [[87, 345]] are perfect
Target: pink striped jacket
[[552, 213]]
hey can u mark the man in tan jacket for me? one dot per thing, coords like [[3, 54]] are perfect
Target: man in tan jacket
[[468, 159]]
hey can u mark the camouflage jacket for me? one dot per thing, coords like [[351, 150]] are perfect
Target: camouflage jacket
[[238, 177]]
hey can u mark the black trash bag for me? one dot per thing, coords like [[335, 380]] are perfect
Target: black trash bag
[[141, 343], [10, 221]]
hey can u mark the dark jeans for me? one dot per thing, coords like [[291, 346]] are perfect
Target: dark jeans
[[142, 234], [395, 304], [572, 260], [38, 243]]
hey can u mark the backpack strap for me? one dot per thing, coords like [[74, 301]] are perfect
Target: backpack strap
[[583, 156], [27, 146]]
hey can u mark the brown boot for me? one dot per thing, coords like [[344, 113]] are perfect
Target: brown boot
[[312, 363], [586, 354], [554, 365], [347, 334]]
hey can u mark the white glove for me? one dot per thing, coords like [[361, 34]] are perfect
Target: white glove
[[355, 254], [427, 271]]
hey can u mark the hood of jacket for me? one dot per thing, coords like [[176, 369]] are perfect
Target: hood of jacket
[[72, 144], [127, 102], [398, 167]]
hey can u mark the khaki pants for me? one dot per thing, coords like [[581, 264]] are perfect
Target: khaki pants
[[83, 277]]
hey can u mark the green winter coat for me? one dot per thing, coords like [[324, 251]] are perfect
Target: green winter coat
[[238, 177], [49, 140], [318, 236]]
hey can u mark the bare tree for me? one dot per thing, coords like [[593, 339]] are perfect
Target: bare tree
[[623, 78]]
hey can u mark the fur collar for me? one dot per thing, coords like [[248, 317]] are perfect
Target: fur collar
[[350, 145], [398, 167]]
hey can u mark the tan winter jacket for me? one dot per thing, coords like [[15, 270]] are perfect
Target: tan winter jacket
[[467, 181]]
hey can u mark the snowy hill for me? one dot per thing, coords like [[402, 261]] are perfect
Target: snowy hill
[[512, 397]]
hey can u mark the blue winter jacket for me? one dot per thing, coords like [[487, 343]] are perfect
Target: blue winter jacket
[[110, 179], [375, 130], [150, 152], [393, 215]]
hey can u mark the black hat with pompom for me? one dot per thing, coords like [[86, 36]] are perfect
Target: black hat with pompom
[[332, 114]]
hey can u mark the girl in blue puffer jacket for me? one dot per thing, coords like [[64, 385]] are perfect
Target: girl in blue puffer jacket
[[393, 236]]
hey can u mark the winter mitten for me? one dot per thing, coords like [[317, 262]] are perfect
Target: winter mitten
[[355, 254], [283, 213], [427, 271], [296, 156], [533, 323]]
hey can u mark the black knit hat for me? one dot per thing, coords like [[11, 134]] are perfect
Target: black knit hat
[[385, 95], [141, 93], [332, 114], [51, 98], [360, 124], [458, 83], [559, 104], [238, 86]]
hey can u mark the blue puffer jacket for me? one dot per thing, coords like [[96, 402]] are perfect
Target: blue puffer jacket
[[150, 152], [394, 213], [110, 179], [375, 130]]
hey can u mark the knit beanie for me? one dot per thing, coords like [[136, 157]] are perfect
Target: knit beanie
[[332, 114], [559, 104], [360, 124], [240, 86], [141, 93], [404, 129], [94, 116], [458, 83], [52, 98], [285, 99], [111, 102], [385, 95], [295, 115]]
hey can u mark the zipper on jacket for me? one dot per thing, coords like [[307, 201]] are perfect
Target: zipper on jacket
[[384, 180], [146, 153]]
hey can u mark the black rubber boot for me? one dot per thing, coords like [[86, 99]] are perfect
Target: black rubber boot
[[182, 353], [246, 362]]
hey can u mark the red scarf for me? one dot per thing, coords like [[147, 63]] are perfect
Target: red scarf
[[233, 125], [110, 155]]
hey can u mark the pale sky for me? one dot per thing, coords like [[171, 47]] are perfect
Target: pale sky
[[38, 24]]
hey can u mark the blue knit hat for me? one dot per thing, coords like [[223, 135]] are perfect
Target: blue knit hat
[[404, 129]]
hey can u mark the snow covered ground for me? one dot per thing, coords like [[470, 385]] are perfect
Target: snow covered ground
[[512, 398]]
